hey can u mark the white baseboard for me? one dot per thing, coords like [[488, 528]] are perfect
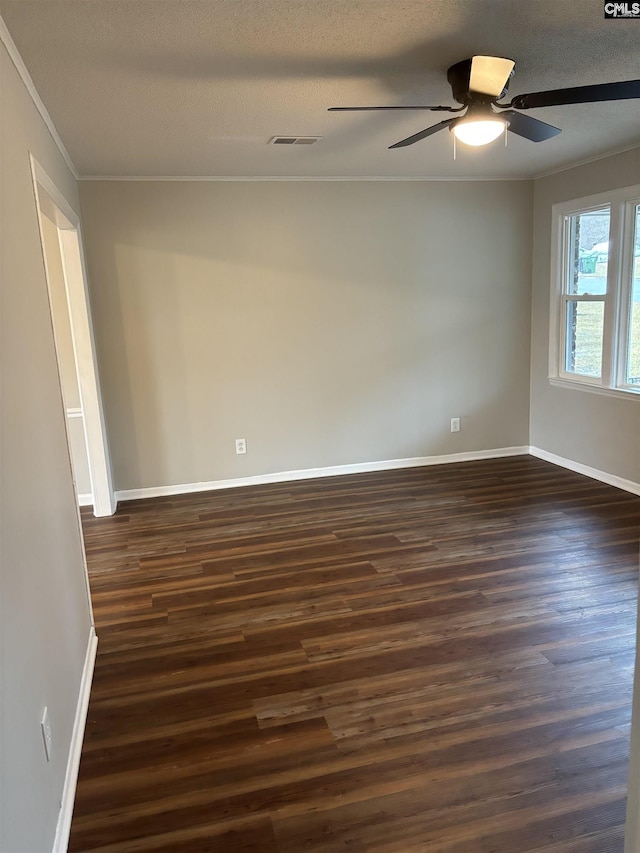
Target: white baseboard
[[85, 500], [63, 829], [312, 473], [383, 465], [587, 470]]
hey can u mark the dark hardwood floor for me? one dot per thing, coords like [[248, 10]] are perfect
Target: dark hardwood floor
[[434, 659]]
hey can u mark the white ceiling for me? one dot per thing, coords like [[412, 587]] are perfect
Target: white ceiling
[[198, 87]]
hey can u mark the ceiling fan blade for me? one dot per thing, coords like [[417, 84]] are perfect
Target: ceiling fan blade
[[489, 75], [424, 133], [530, 127], [578, 95], [418, 107]]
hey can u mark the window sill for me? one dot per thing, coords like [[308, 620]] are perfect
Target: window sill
[[621, 393]]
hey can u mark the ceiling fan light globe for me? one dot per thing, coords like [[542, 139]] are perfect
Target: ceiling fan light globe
[[478, 132]]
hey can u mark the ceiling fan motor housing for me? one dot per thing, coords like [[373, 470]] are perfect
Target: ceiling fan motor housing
[[459, 75]]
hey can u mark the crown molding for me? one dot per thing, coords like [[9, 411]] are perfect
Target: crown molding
[[21, 68], [300, 178], [576, 164], [364, 178]]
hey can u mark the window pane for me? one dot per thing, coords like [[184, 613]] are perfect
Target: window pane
[[588, 252], [633, 359], [585, 323]]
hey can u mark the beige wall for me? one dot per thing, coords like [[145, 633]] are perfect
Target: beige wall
[[327, 323], [600, 431], [44, 611]]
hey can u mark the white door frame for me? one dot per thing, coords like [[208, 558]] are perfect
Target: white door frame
[[75, 279]]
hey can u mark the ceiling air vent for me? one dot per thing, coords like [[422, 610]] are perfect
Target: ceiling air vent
[[294, 140]]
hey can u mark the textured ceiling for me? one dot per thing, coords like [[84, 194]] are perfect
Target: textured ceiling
[[198, 87]]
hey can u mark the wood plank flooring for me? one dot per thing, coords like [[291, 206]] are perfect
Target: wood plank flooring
[[434, 659]]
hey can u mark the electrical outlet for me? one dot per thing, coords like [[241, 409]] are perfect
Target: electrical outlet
[[45, 725], [455, 424], [241, 445]]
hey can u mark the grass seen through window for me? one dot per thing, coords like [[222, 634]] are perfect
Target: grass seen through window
[[588, 342]]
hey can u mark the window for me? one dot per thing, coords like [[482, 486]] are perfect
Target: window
[[595, 307]]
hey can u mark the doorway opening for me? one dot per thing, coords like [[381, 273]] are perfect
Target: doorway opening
[[75, 349]]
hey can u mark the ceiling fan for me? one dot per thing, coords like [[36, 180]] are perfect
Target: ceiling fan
[[478, 84]]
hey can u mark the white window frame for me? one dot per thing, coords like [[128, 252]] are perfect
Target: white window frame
[[617, 301]]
